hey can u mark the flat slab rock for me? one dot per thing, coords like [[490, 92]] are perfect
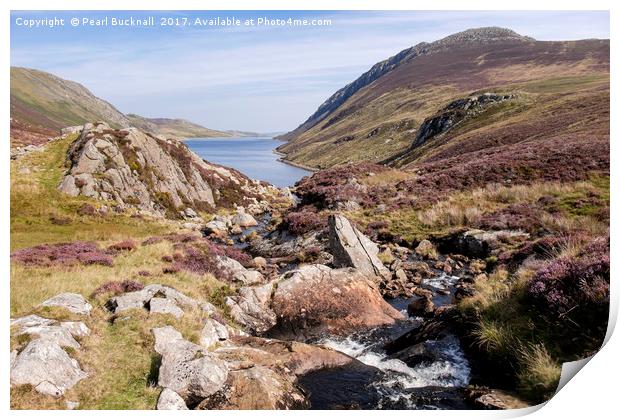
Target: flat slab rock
[[70, 301], [165, 306]]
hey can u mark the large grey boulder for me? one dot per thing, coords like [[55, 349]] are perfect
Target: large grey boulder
[[170, 400], [238, 272], [70, 301], [251, 308], [187, 368], [351, 248], [44, 363], [213, 333], [46, 366], [243, 219]]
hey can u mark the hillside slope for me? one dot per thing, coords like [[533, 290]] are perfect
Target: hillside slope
[[174, 127], [378, 115], [42, 104]]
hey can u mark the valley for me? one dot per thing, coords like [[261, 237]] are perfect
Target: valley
[[448, 250]]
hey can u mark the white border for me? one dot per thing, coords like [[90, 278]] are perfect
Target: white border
[[591, 395]]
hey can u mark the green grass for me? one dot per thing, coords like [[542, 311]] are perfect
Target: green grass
[[35, 198]]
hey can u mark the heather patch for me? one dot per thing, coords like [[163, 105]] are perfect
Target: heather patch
[[575, 287], [303, 221], [64, 254], [117, 287], [126, 245]]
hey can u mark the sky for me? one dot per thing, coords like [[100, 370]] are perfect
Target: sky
[[249, 77]]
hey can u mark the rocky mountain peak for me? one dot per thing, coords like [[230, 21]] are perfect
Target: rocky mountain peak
[[483, 35]]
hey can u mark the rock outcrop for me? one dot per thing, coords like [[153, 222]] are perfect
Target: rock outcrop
[[70, 301], [351, 248], [156, 298], [154, 174], [455, 113], [43, 362], [251, 308], [186, 368]]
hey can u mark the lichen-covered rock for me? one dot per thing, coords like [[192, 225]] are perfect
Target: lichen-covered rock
[[316, 299], [250, 308], [44, 363], [170, 400], [70, 301], [154, 174], [351, 248], [213, 333], [164, 306], [141, 300], [187, 368], [238, 272], [46, 366]]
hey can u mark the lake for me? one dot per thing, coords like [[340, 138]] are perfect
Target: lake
[[252, 156]]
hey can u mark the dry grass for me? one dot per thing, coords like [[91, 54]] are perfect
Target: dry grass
[[118, 356], [540, 374], [392, 176], [35, 199]]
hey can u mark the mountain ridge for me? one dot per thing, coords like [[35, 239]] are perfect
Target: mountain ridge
[[377, 116]]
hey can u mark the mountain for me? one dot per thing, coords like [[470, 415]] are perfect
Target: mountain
[[42, 104], [378, 115], [174, 127]]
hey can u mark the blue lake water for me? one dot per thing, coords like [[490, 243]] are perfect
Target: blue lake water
[[252, 156]]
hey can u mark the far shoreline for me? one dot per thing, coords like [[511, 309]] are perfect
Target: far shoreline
[[283, 159]]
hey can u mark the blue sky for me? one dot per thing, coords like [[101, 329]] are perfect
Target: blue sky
[[251, 78]]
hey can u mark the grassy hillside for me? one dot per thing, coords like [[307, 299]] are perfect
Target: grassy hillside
[[174, 127], [380, 118], [42, 102]]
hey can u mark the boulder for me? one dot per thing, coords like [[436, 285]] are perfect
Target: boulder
[[426, 249], [316, 299], [70, 301], [186, 368], [47, 367], [250, 308], [164, 306], [238, 272], [244, 220], [141, 300], [61, 333], [213, 333], [421, 306], [259, 262], [190, 213], [264, 373], [351, 248], [170, 400]]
